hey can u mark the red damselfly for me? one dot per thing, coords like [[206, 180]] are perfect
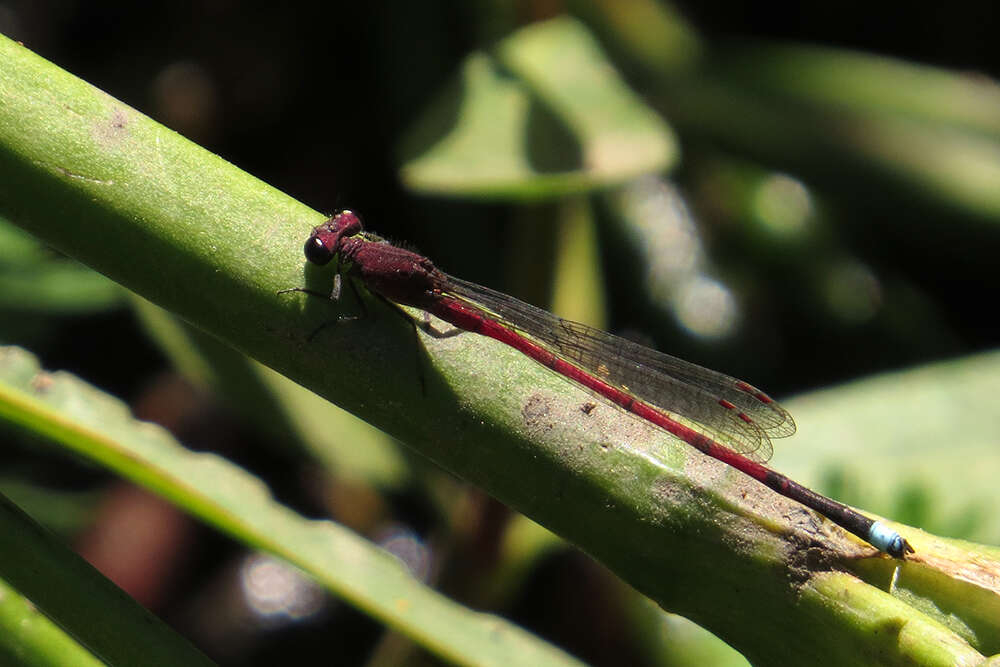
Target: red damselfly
[[720, 416]]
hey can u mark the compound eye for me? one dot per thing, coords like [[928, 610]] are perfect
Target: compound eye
[[316, 251], [348, 214]]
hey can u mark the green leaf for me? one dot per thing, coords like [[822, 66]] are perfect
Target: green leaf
[[99, 427], [908, 136], [94, 615], [29, 638], [545, 116], [34, 280], [889, 437], [348, 447]]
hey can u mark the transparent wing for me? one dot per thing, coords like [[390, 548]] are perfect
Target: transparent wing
[[728, 410]]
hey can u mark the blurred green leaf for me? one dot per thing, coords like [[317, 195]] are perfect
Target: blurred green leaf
[[669, 639], [31, 638], [291, 414], [96, 426], [92, 614], [907, 136], [577, 282], [35, 280], [62, 511], [872, 84], [884, 437], [546, 116], [648, 32]]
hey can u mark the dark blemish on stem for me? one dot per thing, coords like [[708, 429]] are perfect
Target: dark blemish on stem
[[537, 414], [113, 130]]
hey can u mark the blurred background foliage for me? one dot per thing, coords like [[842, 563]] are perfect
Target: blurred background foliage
[[798, 195]]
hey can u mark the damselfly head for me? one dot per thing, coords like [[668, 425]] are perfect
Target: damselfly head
[[324, 242]]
